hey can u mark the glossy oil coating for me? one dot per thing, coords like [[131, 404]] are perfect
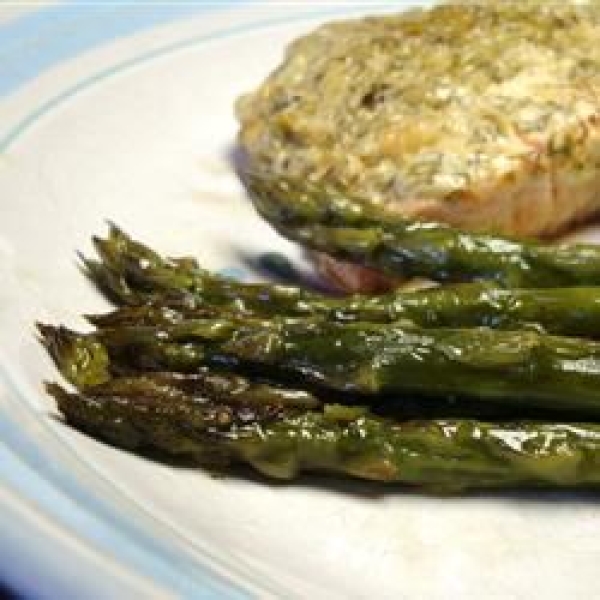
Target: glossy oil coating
[[439, 455], [324, 220], [449, 408], [520, 368], [156, 290]]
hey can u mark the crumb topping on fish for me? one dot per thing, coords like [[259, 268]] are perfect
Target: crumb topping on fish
[[481, 114]]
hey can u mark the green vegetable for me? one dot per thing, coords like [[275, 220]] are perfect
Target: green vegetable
[[358, 232], [82, 360], [132, 413], [201, 367], [520, 368], [563, 311], [85, 362], [221, 387], [160, 290], [132, 274], [445, 455]]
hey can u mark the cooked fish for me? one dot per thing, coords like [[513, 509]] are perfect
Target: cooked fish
[[485, 115]]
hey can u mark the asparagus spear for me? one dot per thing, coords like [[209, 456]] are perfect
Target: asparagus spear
[[143, 372], [224, 388], [85, 362], [108, 409], [207, 401], [520, 368], [159, 311], [563, 311], [444, 455], [365, 234], [184, 291], [131, 273], [81, 359]]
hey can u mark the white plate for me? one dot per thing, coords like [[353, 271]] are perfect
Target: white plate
[[124, 112]]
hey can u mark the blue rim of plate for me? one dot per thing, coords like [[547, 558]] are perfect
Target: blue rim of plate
[[51, 494]]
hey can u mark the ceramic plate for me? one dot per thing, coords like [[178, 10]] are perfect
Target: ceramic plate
[[124, 112]]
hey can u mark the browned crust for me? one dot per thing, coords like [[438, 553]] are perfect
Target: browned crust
[[548, 193]]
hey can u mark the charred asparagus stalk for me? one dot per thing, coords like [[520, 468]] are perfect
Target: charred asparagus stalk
[[131, 273], [446, 455], [86, 363], [224, 388], [174, 290], [192, 322], [354, 231], [562, 311], [523, 368], [132, 413]]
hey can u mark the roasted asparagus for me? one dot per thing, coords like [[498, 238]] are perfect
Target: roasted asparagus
[[520, 368], [359, 232], [438, 455]]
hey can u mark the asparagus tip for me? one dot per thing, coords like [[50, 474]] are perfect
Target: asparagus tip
[[60, 395], [114, 231], [98, 242], [88, 266], [56, 340], [48, 334], [80, 359]]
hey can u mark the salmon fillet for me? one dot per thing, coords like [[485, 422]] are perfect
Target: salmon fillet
[[484, 115]]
